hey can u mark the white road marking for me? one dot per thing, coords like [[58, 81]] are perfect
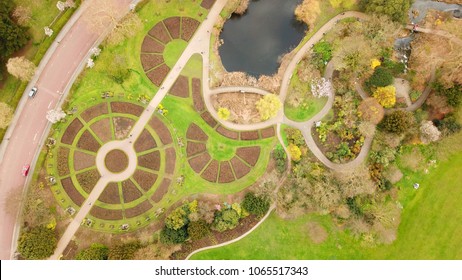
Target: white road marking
[[35, 136], [49, 105]]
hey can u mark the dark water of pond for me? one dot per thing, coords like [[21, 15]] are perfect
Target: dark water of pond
[[254, 42]]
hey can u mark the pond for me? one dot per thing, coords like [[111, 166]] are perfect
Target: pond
[[254, 42]]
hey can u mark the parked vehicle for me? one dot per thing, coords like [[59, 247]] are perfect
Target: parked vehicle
[[33, 92], [25, 170]]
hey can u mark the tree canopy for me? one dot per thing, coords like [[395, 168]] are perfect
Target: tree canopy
[[37, 243], [395, 9], [95, 252], [13, 36], [397, 122]]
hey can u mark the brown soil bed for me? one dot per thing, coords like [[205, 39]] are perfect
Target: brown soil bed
[[95, 111], [160, 33], [122, 127], [145, 142], [110, 194], [129, 191], [72, 192], [196, 133], [161, 190], [83, 160], [88, 142], [63, 161], [226, 173], [199, 162], [241, 105], [197, 95], [106, 214], [116, 161], [170, 160], [158, 75], [317, 232], [211, 172], [249, 154], [250, 135], [207, 4], [181, 87], [88, 179], [228, 133], [161, 130], [268, 132], [193, 148], [150, 161], [173, 26], [151, 46], [102, 129], [188, 27], [139, 209], [145, 179], [150, 61], [71, 131], [240, 169], [209, 119], [127, 108]]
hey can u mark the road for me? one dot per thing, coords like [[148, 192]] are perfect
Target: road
[[26, 138]]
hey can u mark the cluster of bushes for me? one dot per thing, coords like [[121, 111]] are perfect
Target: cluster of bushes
[[37, 243], [279, 155]]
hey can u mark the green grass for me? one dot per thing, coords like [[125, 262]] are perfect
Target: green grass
[[173, 51]]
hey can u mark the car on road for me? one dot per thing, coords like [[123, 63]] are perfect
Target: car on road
[[25, 170], [33, 92]]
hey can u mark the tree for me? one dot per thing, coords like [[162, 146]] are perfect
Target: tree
[[429, 132], [198, 229], [371, 111], [226, 219], [128, 27], [321, 88], [395, 9], [386, 96], [295, 152], [308, 11], [177, 219], [268, 106], [257, 205], [96, 251], [14, 37], [171, 236], [101, 15], [21, 68], [223, 113], [123, 251], [22, 15], [6, 115], [397, 122], [381, 77], [346, 4], [322, 53], [279, 155], [453, 94], [37, 243], [55, 116]]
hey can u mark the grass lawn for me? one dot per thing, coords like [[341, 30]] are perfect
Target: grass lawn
[[430, 227]]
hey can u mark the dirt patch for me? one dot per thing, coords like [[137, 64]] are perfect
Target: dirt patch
[[241, 105], [249, 154], [228, 133], [209, 119], [127, 108], [71, 131], [198, 163], [196, 133], [145, 142], [158, 75], [106, 214], [88, 179], [240, 169], [161, 130], [268, 132], [144, 179], [150, 161], [316, 232], [193, 148], [181, 87], [83, 160], [151, 46], [102, 129], [250, 135], [62, 161], [122, 127], [170, 160], [211, 172], [110, 194], [160, 33], [226, 173], [88, 142], [116, 161], [72, 192], [197, 95], [207, 4], [161, 190], [188, 27], [139, 209], [173, 26], [150, 61], [129, 191], [95, 111]]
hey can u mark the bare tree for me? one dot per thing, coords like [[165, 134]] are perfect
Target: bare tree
[[22, 15], [101, 15], [128, 27], [21, 68], [55, 116], [6, 115]]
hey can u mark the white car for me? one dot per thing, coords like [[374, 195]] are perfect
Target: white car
[[33, 92]]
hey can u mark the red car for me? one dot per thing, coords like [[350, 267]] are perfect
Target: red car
[[25, 170]]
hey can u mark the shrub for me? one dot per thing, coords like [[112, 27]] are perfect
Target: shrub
[[95, 252], [449, 125], [257, 205], [223, 113], [171, 236], [279, 155], [124, 251], [381, 77], [397, 122], [268, 106], [178, 218], [395, 9], [453, 94], [226, 219], [37, 243], [295, 152], [198, 229], [386, 96]]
